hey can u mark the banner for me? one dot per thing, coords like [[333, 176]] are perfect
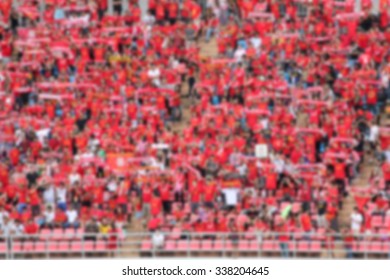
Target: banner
[[202, 268], [119, 162]]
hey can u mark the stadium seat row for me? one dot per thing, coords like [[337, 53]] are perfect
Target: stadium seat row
[[55, 247], [242, 245]]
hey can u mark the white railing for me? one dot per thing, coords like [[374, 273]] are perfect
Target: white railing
[[265, 245]]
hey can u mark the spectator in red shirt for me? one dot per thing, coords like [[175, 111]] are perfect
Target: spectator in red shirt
[[305, 222], [348, 240], [283, 238], [31, 227]]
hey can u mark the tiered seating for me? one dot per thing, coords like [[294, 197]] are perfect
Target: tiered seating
[[274, 136], [92, 97], [243, 246], [64, 242]]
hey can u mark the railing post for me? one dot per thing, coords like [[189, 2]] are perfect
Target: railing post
[[189, 238], [365, 249], [7, 252], [117, 250], [82, 247], [224, 246], [47, 253], [295, 246], [153, 251], [10, 248]]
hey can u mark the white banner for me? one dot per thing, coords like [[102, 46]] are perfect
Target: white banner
[[194, 269], [261, 151]]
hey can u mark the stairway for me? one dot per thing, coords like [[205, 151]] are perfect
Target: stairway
[[131, 244], [209, 49], [361, 182]]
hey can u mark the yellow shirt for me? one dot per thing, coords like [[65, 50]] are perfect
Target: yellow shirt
[[105, 229]]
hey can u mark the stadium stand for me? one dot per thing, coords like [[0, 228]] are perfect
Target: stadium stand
[[213, 127]]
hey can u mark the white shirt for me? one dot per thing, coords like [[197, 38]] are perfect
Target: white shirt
[[356, 221], [374, 132], [49, 216], [148, 19], [2, 215], [158, 240], [239, 53], [8, 228], [279, 165], [42, 134], [19, 135], [157, 164], [49, 195], [387, 155], [72, 216], [264, 123], [93, 144], [242, 169], [112, 186], [154, 74], [61, 194], [74, 177], [385, 80], [234, 159], [86, 155], [231, 196], [256, 42], [19, 230]]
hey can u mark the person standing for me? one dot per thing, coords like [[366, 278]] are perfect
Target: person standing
[[356, 221]]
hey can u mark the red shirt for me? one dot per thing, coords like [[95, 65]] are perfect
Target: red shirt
[[306, 222], [34, 197], [60, 216], [160, 11], [173, 10], [154, 223], [155, 206], [11, 191], [339, 171], [209, 192], [14, 156], [271, 180], [165, 193], [146, 195], [209, 226], [3, 176], [283, 236], [386, 171], [98, 194], [31, 228], [195, 192]]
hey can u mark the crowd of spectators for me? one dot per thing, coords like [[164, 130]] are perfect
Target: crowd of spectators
[[281, 119]]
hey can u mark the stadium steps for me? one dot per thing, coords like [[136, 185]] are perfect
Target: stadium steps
[[361, 182], [367, 169], [207, 50], [349, 203], [130, 247]]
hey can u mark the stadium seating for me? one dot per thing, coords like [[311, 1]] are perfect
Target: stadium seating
[[111, 122]]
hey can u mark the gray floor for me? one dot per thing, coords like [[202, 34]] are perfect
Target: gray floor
[[143, 4]]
